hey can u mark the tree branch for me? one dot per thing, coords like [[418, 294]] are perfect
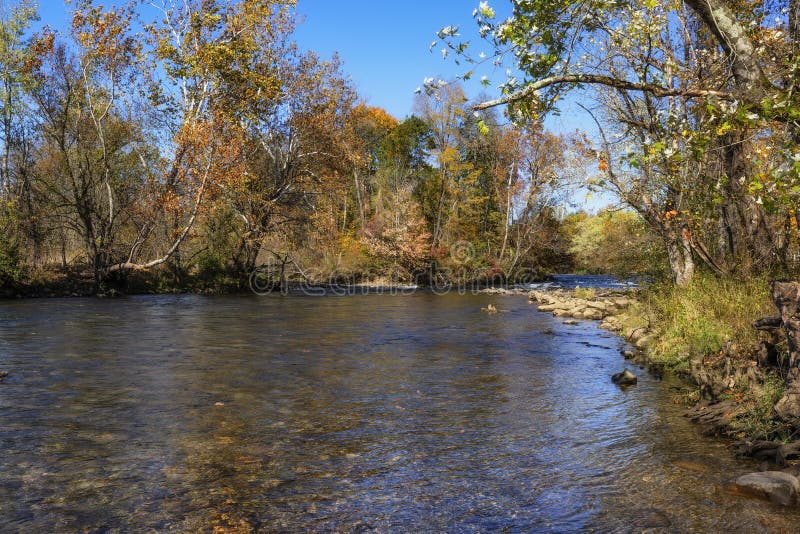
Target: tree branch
[[129, 266], [595, 79]]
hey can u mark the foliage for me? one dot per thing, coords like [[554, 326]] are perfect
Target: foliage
[[614, 242], [11, 260], [588, 293], [758, 420]]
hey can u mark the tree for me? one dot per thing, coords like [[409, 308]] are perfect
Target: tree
[[293, 153], [660, 69], [135, 128]]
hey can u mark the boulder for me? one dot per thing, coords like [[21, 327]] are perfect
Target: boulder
[[776, 486], [625, 378], [643, 342], [594, 314]]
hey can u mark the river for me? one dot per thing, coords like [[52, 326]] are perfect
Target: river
[[414, 412]]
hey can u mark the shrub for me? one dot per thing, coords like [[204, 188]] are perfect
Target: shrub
[[586, 293]]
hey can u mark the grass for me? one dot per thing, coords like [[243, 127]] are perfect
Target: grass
[[586, 293], [758, 420], [697, 320]]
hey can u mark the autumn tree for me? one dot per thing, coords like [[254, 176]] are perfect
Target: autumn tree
[[136, 129], [709, 64], [294, 153], [445, 112]]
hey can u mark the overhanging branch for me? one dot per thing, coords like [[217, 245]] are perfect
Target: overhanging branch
[[596, 79]]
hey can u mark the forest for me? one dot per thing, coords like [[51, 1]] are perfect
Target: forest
[[168, 146], [191, 148]]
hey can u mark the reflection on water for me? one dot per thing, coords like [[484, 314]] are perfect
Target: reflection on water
[[413, 412]]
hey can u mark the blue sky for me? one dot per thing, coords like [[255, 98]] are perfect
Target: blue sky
[[384, 44]]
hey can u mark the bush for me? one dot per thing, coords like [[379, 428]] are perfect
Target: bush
[[586, 293], [614, 242], [758, 420]]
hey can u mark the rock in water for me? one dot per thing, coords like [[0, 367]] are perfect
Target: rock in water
[[777, 486], [3, 375], [625, 378]]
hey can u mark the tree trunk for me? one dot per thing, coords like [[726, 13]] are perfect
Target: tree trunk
[[681, 261], [732, 37], [748, 218]]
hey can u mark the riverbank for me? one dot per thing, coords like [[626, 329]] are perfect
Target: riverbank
[[736, 373], [57, 282], [736, 388]]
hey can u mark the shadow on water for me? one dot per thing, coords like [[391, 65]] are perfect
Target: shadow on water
[[414, 412]]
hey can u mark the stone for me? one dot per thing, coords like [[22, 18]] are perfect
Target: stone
[[624, 378], [788, 407], [776, 486], [593, 314], [643, 342]]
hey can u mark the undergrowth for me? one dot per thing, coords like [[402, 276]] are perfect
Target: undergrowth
[[697, 320]]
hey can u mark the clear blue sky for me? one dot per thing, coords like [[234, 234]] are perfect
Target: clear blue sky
[[384, 44], [385, 47]]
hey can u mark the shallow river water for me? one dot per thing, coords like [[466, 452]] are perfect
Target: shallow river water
[[366, 412]]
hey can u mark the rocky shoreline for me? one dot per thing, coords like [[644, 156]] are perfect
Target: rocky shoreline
[[611, 307], [778, 477]]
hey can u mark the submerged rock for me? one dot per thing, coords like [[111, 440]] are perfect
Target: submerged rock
[[653, 518], [776, 486], [625, 378], [3, 375]]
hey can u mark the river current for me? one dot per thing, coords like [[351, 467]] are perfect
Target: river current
[[414, 412]]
